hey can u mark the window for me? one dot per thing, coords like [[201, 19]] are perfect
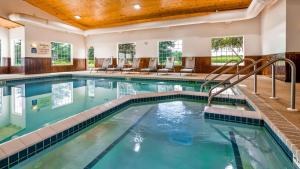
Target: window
[[127, 51], [91, 57], [62, 94], [17, 52], [225, 49], [61, 53], [170, 49]]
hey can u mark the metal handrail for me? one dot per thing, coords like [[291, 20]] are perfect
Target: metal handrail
[[239, 72], [224, 71], [219, 68], [293, 82]]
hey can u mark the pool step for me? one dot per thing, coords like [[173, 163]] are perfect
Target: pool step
[[233, 115]]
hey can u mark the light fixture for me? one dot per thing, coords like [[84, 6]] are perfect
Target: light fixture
[[77, 17], [34, 45], [137, 6]]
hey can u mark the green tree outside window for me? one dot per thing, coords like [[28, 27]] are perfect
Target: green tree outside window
[[61, 53], [17, 52], [127, 51], [91, 57], [227, 48], [170, 49]]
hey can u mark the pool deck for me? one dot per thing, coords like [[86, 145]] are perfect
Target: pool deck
[[285, 124]]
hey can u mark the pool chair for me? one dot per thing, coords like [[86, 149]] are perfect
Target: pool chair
[[105, 65], [135, 65], [189, 66], [151, 67], [169, 65], [119, 67]]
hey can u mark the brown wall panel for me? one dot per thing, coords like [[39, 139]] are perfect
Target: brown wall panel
[[144, 62], [16, 69], [44, 65], [295, 57], [4, 69]]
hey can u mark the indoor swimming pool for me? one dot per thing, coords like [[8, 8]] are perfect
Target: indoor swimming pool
[[27, 105], [168, 135]]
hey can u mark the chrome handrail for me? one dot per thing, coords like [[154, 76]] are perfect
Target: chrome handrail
[[224, 71], [219, 68], [271, 62], [238, 73]]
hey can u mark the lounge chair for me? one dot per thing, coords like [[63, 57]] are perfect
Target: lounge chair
[[135, 65], [119, 67], [189, 66], [169, 65], [151, 67], [104, 66]]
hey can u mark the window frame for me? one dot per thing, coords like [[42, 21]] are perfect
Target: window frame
[[88, 65], [71, 54], [14, 43], [226, 36], [174, 58], [120, 43]]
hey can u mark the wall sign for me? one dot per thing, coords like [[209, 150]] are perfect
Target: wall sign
[[33, 50], [43, 48]]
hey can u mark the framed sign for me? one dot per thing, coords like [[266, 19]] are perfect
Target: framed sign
[[43, 48]]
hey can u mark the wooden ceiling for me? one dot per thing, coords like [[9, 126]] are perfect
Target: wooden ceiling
[[8, 24], [110, 13]]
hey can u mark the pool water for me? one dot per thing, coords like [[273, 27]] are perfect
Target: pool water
[[170, 135], [28, 105]]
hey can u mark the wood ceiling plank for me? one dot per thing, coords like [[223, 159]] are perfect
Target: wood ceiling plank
[[109, 13]]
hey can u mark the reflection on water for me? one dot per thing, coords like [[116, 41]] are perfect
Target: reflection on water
[[27, 106], [12, 116], [62, 94]]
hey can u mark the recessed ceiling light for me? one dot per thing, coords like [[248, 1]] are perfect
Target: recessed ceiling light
[[77, 17], [137, 6]]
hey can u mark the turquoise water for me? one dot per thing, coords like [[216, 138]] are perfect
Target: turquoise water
[[170, 135], [28, 105]]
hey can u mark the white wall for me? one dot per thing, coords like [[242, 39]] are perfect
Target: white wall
[[36, 35], [273, 29], [196, 38], [4, 37], [293, 26]]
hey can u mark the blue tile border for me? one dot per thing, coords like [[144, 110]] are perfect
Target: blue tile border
[[284, 147], [235, 119]]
